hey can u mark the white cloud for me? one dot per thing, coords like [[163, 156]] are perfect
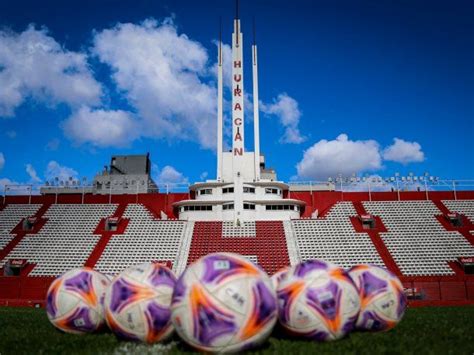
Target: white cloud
[[226, 65], [30, 170], [168, 175], [163, 76], [287, 110], [101, 128], [329, 158], [63, 173], [203, 175], [33, 64], [11, 134], [404, 152], [2, 160], [53, 144]]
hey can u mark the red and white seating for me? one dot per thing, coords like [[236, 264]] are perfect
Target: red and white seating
[[417, 241], [266, 246], [145, 239], [65, 241], [465, 207], [10, 216], [334, 239]]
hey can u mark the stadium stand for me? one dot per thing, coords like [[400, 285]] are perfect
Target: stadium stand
[[412, 236], [146, 239], [334, 239], [10, 216], [465, 207], [268, 246], [65, 241], [419, 244]]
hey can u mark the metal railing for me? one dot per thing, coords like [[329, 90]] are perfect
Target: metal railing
[[31, 190], [398, 186], [342, 185]]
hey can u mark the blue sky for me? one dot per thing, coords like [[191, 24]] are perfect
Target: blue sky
[[372, 87]]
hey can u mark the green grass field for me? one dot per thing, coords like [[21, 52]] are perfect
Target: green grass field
[[431, 330]]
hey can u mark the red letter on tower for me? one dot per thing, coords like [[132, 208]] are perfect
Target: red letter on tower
[[238, 151], [237, 91]]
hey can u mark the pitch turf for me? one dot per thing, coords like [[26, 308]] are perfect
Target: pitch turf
[[433, 330]]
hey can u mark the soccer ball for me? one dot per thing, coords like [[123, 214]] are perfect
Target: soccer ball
[[383, 301], [317, 300], [276, 277], [137, 303], [224, 303], [74, 301]]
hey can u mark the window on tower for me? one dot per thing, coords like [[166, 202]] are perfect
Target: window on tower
[[269, 190]]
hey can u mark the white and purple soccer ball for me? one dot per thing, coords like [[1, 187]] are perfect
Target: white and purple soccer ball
[[383, 301], [317, 300], [224, 303], [137, 303], [74, 301]]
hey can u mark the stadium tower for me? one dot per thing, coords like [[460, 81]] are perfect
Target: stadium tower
[[244, 189]]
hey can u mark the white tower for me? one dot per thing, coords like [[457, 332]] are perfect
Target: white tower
[[219, 109], [240, 193], [256, 124], [238, 150]]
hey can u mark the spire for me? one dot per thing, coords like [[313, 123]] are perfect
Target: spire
[[219, 106], [254, 32], [220, 42], [256, 123], [236, 9]]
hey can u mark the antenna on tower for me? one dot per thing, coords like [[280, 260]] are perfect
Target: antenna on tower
[[236, 9], [254, 32], [220, 41]]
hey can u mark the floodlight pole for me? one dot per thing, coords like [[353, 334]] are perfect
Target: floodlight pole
[[454, 190], [136, 199], [398, 189], [426, 190], [4, 194], [370, 193], [29, 198]]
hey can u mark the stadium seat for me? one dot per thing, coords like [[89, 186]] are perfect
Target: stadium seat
[[65, 241], [418, 243], [146, 239], [334, 239]]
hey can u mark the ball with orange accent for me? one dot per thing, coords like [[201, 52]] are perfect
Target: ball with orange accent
[[224, 303], [317, 300], [74, 301], [383, 301], [137, 303]]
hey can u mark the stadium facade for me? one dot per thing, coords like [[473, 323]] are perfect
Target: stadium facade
[[425, 237]]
